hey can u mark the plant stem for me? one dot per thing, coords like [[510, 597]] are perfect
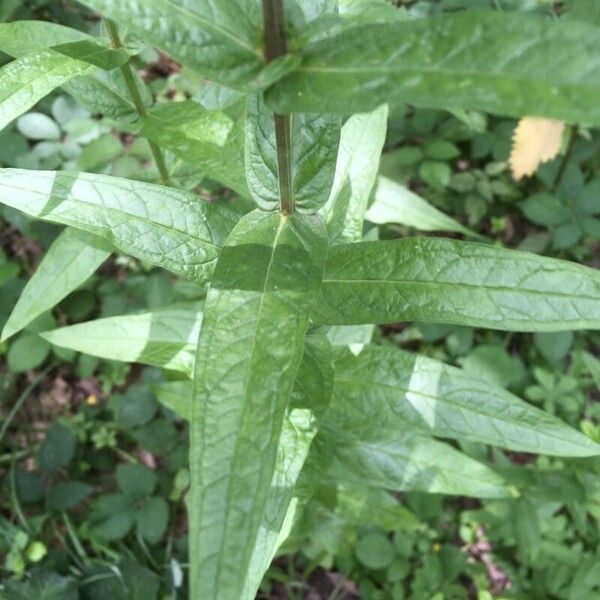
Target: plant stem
[[136, 98], [276, 46]]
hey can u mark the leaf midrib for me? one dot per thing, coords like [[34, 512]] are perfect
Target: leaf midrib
[[405, 390], [282, 222]]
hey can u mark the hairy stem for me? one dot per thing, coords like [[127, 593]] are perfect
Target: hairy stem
[[276, 46], [136, 98]]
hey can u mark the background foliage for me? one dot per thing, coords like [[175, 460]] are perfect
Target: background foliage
[[90, 453]]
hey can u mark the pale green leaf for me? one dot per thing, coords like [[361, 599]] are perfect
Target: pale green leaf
[[404, 461], [71, 259], [387, 389], [500, 62], [297, 434], [27, 80], [167, 227], [255, 319], [211, 140], [395, 203], [361, 142], [464, 283], [102, 92], [165, 338], [314, 141]]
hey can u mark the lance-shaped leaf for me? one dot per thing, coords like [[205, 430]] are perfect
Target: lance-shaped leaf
[[499, 62], [164, 338], [255, 318], [170, 228], [312, 387], [395, 203], [221, 40], [25, 81], [447, 281], [211, 140], [361, 142], [103, 92], [387, 389], [22, 37], [69, 262], [314, 141], [403, 461], [299, 430]]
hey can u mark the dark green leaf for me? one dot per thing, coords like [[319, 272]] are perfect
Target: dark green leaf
[[221, 40], [151, 519], [135, 481], [508, 64], [57, 449], [67, 494]]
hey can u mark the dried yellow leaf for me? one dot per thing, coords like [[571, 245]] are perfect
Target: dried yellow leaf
[[535, 141]]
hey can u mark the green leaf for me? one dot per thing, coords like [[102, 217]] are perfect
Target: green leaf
[[57, 449], [221, 40], [24, 36], [375, 551], [447, 281], [165, 338], [395, 203], [27, 352], [314, 141], [361, 142], [386, 389], [509, 65], [71, 259], [112, 516], [255, 319], [297, 434], [135, 481], [98, 91], [402, 461], [27, 80], [41, 586], [211, 140], [170, 228], [64, 496], [152, 519]]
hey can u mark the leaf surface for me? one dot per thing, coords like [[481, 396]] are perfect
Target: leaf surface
[[404, 461], [464, 283], [314, 144], [388, 389], [103, 92], [211, 140], [251, 344], [71, 259], [164, 338], [507, 64], [167, 227], [395, 203], [27, 80], [221, 40], [361, 143]]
